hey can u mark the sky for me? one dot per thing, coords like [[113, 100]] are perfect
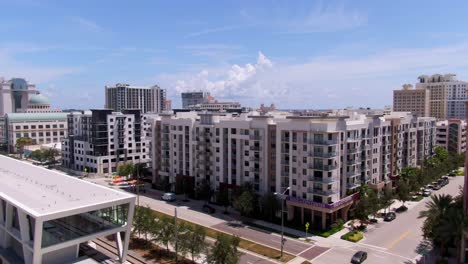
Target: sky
[[295, 54]]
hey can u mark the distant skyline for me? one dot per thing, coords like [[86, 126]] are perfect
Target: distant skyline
[[295, 54]]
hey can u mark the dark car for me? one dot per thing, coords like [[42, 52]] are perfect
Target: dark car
[[389, 217], [443, 181], [359, 257], [208, 209], [436, 187]]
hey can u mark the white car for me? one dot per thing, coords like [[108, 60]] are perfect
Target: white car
[[169, 197]]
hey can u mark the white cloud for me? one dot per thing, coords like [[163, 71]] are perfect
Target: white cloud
[[213, 30], [326, 81], [87, 24]]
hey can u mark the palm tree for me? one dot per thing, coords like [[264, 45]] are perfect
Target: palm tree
[[21, 142], [452, 225], [437, 209]]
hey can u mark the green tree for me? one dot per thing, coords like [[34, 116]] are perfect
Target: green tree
[[203, 191], [269, 205], [386, 198], [22, 142], [363, 207], [225, 250], [374, 202], [223, 199], [435, 211], [143, 221], [38, 155], [50, 154], [402, 191], [192, 241], [245, 203], [126, 169], [165, 231]]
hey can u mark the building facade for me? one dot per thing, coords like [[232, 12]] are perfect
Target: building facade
[[194, 98], [447, 95], [323, 160], [147, 99], [451, 135], [51, 214], [412, 100], [100, 140], [14, 95], [42, 128], [216, 106]]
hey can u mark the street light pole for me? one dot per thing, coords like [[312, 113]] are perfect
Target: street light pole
[[282, 196]]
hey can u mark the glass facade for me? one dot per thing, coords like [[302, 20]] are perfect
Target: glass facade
[[72, 227]]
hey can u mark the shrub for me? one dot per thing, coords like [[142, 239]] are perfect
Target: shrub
[[353, 236], [401, 209]]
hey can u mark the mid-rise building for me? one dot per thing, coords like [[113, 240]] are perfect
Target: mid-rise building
[[451, 135], [412, 100], [194, 98], [45, 215], [322, 159], [216, 106], [100, 140], [147, 99], [464, 237], [42, 128]]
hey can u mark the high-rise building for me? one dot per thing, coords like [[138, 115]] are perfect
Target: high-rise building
[[411, 100], [451, 135], [439, 96], [322, 159], [148, 99], [100, 140], [194, 98]]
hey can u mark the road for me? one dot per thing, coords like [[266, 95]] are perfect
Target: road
[[394, 242]]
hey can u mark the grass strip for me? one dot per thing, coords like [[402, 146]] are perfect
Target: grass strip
[[244, 243]]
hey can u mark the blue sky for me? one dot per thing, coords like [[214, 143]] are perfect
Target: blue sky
[[296, 54]]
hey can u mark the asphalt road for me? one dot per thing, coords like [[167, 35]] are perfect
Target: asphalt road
[[403, 235]]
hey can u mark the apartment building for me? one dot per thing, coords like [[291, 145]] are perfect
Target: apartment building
[[42, 128], [194, 98], [439, 96], [451, 135], [412, 100], [147, 99], [323, 160], [100, 140]]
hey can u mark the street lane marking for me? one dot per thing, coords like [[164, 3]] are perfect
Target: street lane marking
[[391, 245], [305, 250], [369, 245]]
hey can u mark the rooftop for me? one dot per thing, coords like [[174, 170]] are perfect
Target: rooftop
[[27, 117], [41, 192]]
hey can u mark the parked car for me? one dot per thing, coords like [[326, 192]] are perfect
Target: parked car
[[444, 181], [389, 217], [359, 257], [426, 193], [436, 187], [208, 209], [169, 197]]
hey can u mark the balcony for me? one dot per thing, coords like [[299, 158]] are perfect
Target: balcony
[[352, 162], [255, 137], [323, 179], [255, 148], [255, 170], [353, 173], [323, 142], [285, 139], [322, 167], [353, 139], [353, 150], [321, 192], [327, 155], [353, 185], [254, 158]]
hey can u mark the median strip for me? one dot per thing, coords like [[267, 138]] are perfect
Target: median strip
[[244, 243]]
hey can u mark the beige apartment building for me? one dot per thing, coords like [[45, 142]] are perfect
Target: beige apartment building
[[323, 160], [412, 100], [42, 128], [451, 135], [439, 96]]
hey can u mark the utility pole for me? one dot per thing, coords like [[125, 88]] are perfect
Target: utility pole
[[176, 231]]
